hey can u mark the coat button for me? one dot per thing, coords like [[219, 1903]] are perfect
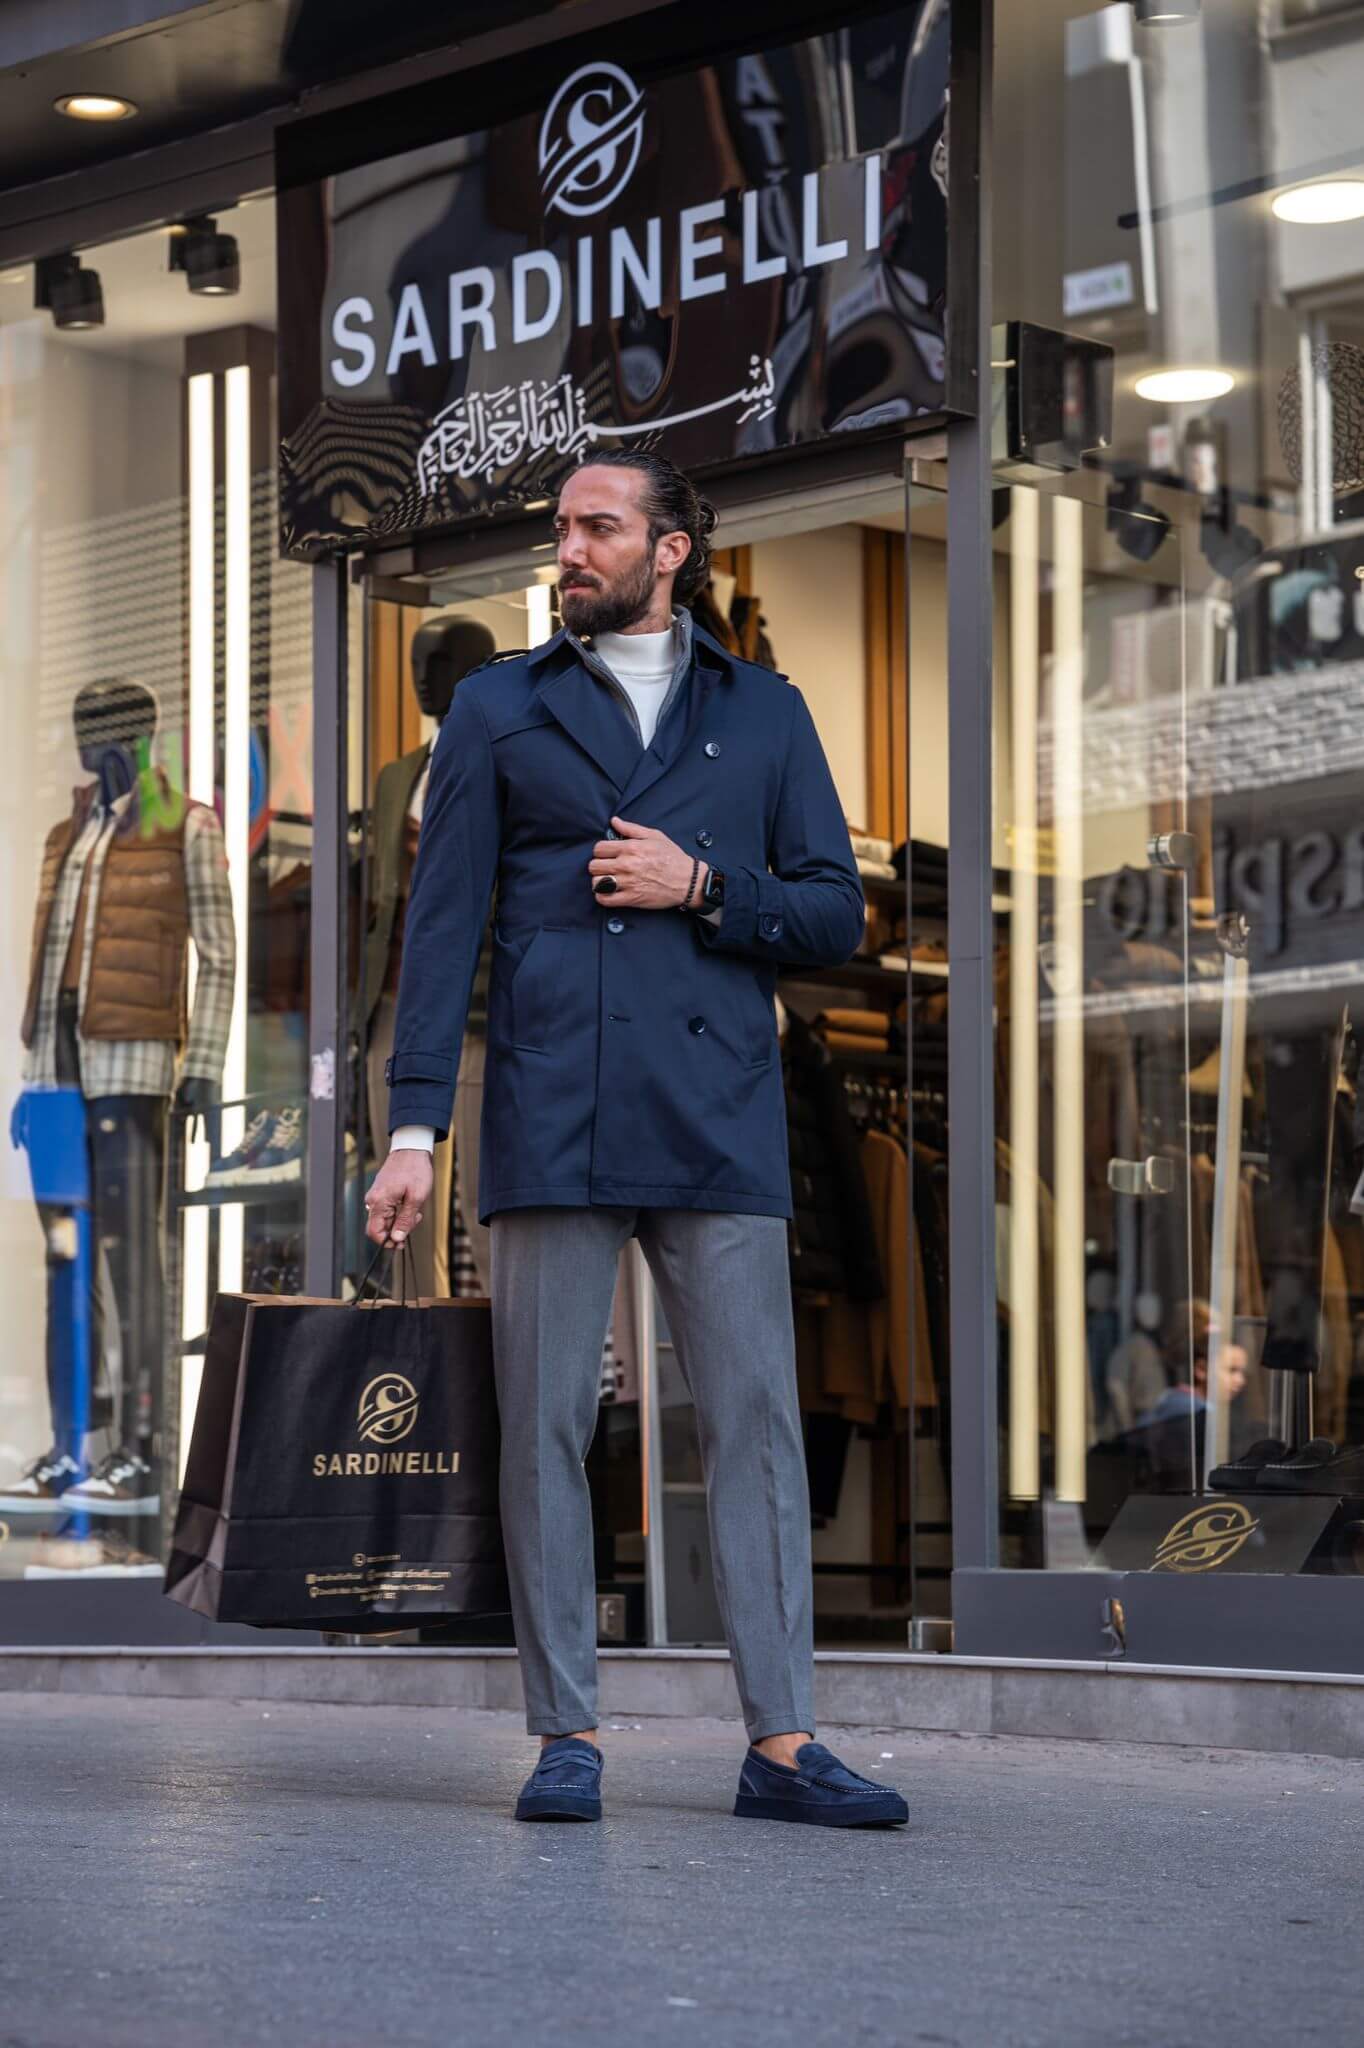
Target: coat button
[[771, 926], [610, 833], [705, 838], [615, 924], [696, 1026], [712, 749]]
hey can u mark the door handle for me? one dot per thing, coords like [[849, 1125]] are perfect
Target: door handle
[[1154, 1176]]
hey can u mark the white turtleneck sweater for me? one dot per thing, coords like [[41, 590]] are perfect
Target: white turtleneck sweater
[[642, 663]]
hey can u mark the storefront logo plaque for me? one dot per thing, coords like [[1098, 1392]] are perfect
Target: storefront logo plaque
[[725, 262], [590, 139], [1192, 1534], [1206, 1538]]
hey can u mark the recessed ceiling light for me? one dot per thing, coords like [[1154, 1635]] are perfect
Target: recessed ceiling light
[[1161, 13], [1184, 387], [1323, 201], [94, 106]]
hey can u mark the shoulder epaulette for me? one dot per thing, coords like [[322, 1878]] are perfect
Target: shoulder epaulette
[[503, 654]]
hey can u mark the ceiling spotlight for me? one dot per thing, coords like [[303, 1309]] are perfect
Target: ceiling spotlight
[[72, 295], [210, 261], [1165, 13], [1323, 201], [1184, 387], [94, 106]]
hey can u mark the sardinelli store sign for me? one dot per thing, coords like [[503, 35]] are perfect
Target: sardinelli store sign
[[723, 263]]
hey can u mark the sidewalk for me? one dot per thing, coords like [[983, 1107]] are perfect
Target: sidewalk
[[214, 1874]]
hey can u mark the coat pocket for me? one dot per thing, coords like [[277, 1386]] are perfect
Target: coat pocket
[[535, 988]]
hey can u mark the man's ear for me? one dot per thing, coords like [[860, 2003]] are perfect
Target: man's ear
[[672, 551]]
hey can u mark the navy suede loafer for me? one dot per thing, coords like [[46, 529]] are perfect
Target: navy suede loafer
[[565, 1784], [821, 1791]]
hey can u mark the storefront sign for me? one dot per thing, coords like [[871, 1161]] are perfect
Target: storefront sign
[[723, 263]]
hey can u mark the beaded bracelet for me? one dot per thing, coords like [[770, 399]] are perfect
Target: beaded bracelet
[[685, 904]]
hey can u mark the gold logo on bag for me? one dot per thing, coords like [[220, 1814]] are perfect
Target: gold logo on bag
[[1205, 1538], [388, 1409]]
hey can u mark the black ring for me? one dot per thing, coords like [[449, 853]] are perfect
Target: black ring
[[606, 886]]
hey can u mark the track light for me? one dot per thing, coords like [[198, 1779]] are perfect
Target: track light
[[210, 261], [72, 295], [1165, 13], [95, 106]]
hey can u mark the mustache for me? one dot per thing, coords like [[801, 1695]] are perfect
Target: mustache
[[579, 583]]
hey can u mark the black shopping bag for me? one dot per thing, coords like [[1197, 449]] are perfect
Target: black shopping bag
[[343, 1468]]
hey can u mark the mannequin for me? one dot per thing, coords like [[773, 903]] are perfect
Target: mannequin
[[444, 651], [127, 880]]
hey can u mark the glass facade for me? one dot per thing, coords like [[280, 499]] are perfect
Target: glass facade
[[1176, 886], [1179, 948], [157, 826]]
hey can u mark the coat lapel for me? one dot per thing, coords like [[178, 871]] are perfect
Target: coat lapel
[[676, 731], [590, 715]]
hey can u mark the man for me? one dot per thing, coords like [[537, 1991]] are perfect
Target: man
[[663, 831]]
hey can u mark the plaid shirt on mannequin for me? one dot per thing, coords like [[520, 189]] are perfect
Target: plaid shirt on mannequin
[[138, 1066]]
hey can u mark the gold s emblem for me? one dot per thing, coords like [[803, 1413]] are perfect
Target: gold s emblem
[[388, 1409], [1206, 1538]]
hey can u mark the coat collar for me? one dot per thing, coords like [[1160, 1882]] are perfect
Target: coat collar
[[584, 707]]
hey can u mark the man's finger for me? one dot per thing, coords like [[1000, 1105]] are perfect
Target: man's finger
[[630, 831]]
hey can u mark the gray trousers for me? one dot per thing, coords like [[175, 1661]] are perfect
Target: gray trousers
[[725, 1285]]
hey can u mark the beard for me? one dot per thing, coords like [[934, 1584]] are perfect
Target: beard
[[591, 606]]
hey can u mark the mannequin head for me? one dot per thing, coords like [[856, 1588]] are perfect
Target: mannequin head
[[443, 652], [114, 718]]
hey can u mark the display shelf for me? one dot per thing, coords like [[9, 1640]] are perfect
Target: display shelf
[[865, 974], [275, 1193]]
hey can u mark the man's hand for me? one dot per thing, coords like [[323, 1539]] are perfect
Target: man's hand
[[399, 1192], [649, 870]]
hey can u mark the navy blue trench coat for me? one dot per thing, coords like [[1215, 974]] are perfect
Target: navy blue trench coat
[[632, 1054]]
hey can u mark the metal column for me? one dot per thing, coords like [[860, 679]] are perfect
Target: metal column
[[327, 1017], [970, 942]]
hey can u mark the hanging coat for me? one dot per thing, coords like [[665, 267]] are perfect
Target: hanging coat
[[632, 1054]]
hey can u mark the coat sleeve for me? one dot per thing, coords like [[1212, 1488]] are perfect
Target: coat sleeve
[[807, 909], [447, 913]]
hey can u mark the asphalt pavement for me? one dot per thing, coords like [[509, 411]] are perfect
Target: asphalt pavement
[[214, 1874]]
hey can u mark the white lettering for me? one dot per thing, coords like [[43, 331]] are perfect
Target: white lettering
[[535, 261], [345, 336], [477, 282], [647, 277], [871, 204], [812, 250], [757, 267], [761, 104], [695, 250], [585, 281], [411, 332]]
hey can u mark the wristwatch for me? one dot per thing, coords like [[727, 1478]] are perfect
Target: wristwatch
[[712, 895]]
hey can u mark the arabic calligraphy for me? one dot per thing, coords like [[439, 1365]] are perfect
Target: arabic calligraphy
[[487, 432]]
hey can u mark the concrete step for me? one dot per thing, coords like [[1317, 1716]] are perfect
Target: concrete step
[[1303, 1712]]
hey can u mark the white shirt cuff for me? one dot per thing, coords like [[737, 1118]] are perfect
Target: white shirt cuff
[[413, 1138]]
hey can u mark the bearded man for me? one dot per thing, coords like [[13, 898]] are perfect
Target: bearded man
[[663, 833]]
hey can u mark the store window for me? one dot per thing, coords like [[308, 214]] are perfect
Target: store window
[[1180, 652], [157, 832], [811, 585]]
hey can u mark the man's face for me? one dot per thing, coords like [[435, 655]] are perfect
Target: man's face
[[608, 566]]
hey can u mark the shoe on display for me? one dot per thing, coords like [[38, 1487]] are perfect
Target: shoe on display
[[43, 1485], [1242, 1475], [226, 1173], [90, 1557], [1344, 1474], [1287, 1475], [123, 1484], [282, 1159]]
